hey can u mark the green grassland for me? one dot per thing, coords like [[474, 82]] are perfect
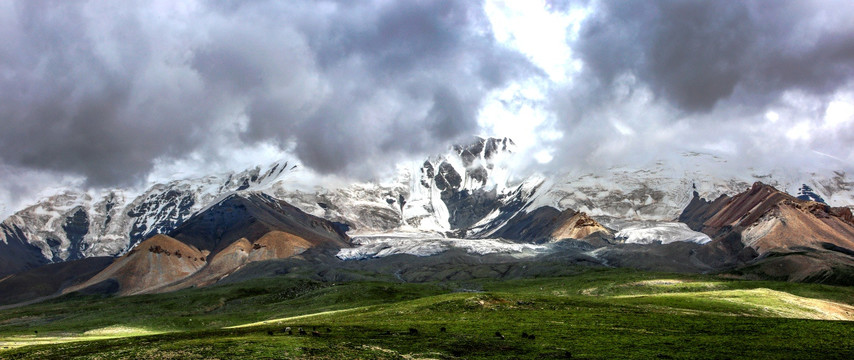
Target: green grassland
[[595, 314]]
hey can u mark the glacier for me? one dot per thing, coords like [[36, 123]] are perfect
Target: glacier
[[420, 244]]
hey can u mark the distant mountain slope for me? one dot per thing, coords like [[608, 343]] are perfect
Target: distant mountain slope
[[216, 242], [75, 224], [764, 226], [16, 253], [251, 217], [549, 224], [443, 194], [273, 245], [468, 192], [766, 218], [49, 280]]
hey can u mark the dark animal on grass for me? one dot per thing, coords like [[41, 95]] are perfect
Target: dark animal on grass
[[328, 330], [302, 331], [270, 332], [532, 337], [413, 331], [524, 335], [442, 329], [287, 330], [315, 333], [498, 335]]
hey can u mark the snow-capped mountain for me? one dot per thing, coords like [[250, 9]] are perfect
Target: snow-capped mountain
[[443, 194], [468, 192], [660, 191], [78, 224]]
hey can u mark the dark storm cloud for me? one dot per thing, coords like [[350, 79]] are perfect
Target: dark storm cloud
[[377, 79], [696, 54], [102, 91], [662, 77], [78, 101]]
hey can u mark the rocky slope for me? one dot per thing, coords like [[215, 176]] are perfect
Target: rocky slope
[[76, 224], [766, 218], [767, 230], [214, 243], [156, 262], [468, 192]]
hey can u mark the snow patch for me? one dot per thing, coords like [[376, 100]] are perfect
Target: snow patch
[[649, 232], [418, 244]]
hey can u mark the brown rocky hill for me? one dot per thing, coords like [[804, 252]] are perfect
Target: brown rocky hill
[[764, 226], [217, 242], [273, 245], [549, 224], [155, 262], [252, 216]]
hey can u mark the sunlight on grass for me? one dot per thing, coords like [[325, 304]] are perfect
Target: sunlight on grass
[[654, 286], [632, 314], [120, 330], [291, 318], [762, 302], [677, 283], [109, 332]]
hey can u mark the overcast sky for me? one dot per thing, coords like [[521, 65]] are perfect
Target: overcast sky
[[98, 94]]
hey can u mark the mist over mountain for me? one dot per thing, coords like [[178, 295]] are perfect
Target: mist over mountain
[[97, 97], [465, 198]]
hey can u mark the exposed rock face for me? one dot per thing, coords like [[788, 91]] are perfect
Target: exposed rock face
[[467, 192], [278, 245], [252, 216], [549, 224], [75, 224], [448, 194], [156, 262], [807, 193], [750, 226], [218, 241], [766, 218], [462, 180], [273, 245], [535, 226], [699, 210], [159, 212], [578, 226], [16, 254]]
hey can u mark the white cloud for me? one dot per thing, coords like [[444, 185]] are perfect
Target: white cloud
[[839, 113], [772, 116], [543, 157], [535, 31]]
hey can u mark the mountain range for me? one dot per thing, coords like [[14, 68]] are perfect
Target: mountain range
[[454, 207]]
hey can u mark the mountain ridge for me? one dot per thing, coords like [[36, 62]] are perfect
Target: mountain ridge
[[465, 193]]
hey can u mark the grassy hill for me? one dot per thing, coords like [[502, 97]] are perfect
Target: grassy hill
[[595, 313]]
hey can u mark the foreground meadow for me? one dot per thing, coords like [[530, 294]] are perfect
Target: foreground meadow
[[594, 314]]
